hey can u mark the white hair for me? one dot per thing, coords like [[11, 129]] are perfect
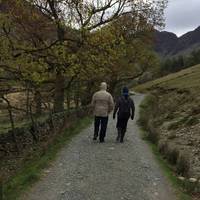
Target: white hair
[[103, 86]]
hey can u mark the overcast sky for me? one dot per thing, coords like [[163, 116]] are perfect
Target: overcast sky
[[182, 16]]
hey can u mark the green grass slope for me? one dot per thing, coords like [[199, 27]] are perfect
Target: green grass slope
[[188, 79], [170, 115]]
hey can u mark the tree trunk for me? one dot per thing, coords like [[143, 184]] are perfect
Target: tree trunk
[[60, 80], [27, 100], [76, 95], [112, 87], [68, 100], [59, 93], [34, 128], [38, 103], [12, 123], [87, 97]]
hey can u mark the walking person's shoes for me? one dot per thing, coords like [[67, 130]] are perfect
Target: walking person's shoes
[[118, 135], [95, 137], [101, 140], [121, 139], [122, 136]]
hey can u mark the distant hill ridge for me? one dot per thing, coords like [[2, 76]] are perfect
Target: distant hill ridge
[[168, 44]]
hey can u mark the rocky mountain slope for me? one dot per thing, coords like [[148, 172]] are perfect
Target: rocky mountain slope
[[168, 44]]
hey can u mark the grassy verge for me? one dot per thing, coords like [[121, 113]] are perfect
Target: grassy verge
[[32, 169], [146, 112], [176, 183]]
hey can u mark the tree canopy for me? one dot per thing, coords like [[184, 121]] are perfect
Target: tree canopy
[[55, 45]]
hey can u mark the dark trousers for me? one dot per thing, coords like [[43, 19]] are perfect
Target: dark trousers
[[122, 122], [100, 123], [121, 126]]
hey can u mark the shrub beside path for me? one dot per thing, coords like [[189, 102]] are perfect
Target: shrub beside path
[[87, 170]]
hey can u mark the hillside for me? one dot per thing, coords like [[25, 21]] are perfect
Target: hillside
[[185, 79], [165, 42], [168, 44], [175, 118]]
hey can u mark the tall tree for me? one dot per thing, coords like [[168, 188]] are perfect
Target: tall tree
[[86, 16], [56, 31]]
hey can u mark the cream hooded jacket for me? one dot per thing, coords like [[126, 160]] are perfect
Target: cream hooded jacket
[[102, 102]]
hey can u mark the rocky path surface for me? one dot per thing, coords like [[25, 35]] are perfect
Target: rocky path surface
[[87, 170]]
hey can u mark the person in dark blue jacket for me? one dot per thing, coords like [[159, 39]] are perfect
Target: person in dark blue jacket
[[125, 109]]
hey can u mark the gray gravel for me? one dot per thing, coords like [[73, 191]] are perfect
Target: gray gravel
[[87, 170]]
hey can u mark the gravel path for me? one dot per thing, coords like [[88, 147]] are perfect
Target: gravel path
[[87, 170]]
